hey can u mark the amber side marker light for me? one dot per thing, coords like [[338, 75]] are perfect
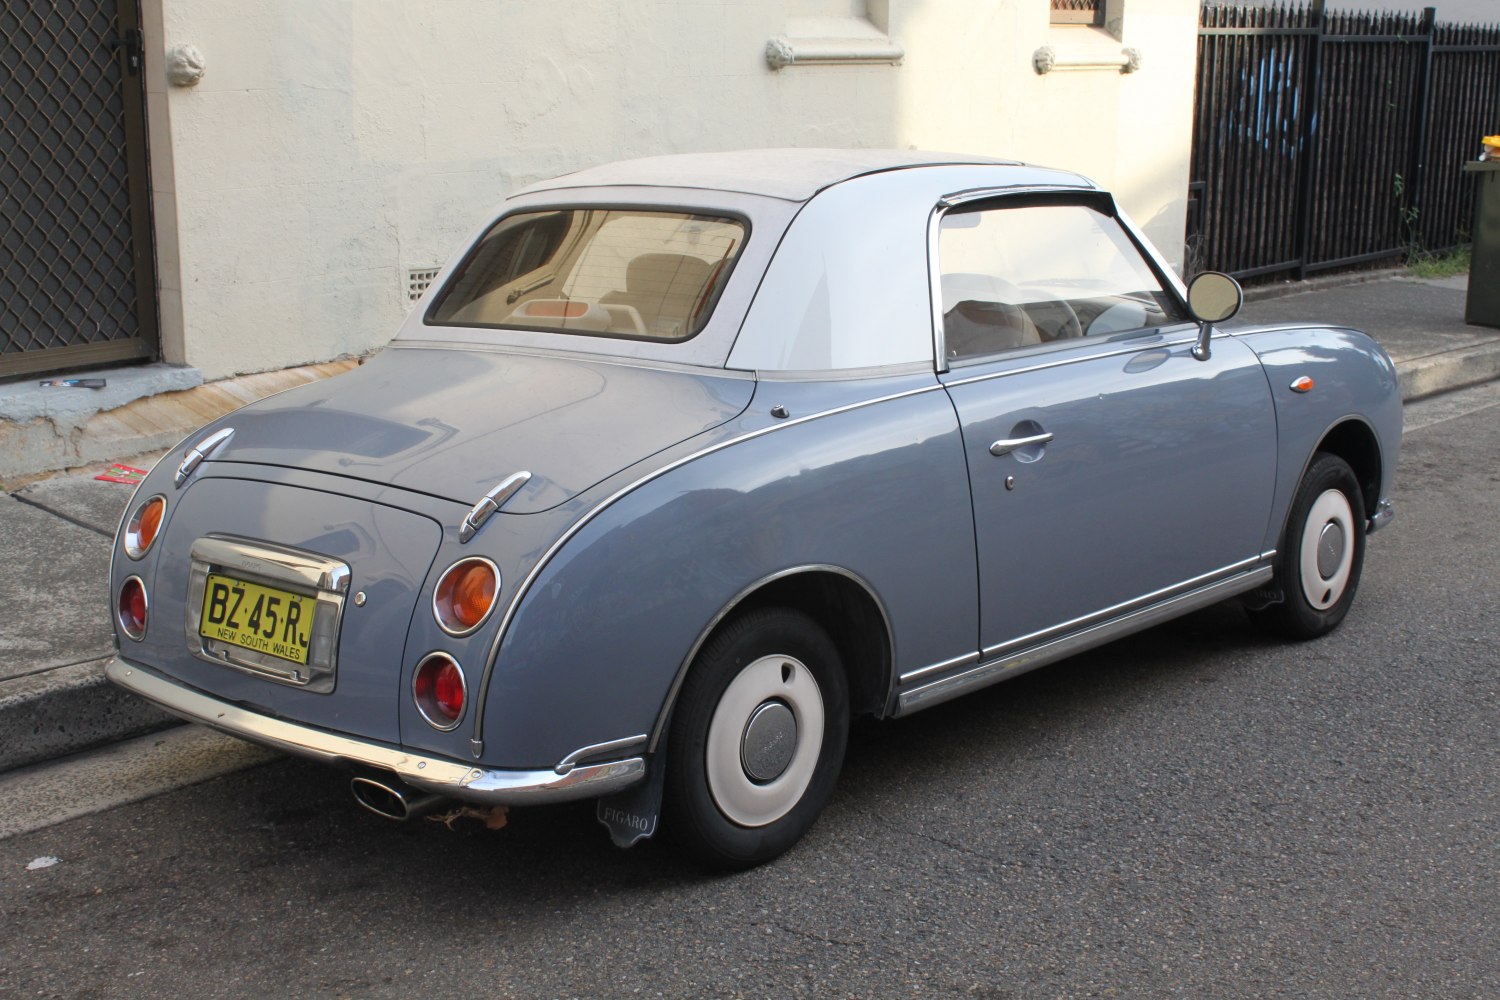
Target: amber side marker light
[[130, 609], [465, 595], [439, 690], [144, 525]]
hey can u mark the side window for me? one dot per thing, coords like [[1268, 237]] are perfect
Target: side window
[[1034, 273]]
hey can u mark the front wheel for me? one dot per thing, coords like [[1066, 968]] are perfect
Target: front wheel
[[1322, 554], [757, 739]]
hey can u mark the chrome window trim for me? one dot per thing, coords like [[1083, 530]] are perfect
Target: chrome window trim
[[477, 740], [487, 786], [1060, 362], [935, 285], [319, 577], [448, 276], [971, 195], [1021, 661], [1164, 273], [709, 348]]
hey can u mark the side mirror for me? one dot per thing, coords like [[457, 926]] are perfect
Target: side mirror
[[1212, 298]]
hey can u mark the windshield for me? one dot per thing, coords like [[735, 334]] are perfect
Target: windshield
[[647, 275]]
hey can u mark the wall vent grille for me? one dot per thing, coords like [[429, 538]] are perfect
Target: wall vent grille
[[418, 280]]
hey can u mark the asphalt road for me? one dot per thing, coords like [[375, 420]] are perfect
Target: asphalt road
[[1195, 811]]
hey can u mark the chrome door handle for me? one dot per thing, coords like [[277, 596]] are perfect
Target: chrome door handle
[[1007, 445]]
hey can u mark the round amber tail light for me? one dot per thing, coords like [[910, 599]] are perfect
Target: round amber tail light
[[465, 595], [130, 609], [439, 690], [144, 525]]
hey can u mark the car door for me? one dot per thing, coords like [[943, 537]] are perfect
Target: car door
[[1109, 468]]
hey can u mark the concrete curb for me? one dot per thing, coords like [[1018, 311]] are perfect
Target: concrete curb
[[64, 710], [1448, 370]]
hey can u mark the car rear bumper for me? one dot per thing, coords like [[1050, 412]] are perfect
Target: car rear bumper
[[438, 775]]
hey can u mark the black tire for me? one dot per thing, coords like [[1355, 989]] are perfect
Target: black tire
[[725, 816], [1317, 580]]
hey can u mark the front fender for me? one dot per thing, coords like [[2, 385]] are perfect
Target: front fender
[[1354, 379]]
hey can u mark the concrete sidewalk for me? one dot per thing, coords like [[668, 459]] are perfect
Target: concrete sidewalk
[[53, 698]]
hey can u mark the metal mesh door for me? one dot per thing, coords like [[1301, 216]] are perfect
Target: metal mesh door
[[76, 283]]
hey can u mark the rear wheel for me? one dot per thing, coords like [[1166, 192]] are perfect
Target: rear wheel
[[1322, 554], [757, 738]]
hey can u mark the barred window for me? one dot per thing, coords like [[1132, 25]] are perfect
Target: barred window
[[1090, 12]]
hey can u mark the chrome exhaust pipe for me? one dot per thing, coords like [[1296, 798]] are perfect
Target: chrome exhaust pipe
[[393, 799]]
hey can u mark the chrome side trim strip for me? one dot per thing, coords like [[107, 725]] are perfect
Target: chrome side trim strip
[[1126, 606], [434, 774], [598, 750], [1015, 664], [934, 668], [477, 740]]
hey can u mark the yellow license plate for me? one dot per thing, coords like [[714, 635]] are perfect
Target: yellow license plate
[[265, 619]]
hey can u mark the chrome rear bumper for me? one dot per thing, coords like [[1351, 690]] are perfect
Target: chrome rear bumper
[[434, 774]]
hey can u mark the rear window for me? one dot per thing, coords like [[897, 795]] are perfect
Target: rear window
[[647, 275]]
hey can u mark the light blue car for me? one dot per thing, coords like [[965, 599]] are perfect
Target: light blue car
[[686, 461]]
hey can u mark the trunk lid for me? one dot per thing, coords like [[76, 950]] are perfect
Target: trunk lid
[[453, 423]]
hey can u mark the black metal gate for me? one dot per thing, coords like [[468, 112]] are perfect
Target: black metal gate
[[1326, 141], [77, 281]]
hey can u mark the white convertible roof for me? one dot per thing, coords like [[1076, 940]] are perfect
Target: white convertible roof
[[789, 174]]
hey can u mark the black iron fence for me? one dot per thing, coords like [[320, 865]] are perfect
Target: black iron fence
[[1325, 141]]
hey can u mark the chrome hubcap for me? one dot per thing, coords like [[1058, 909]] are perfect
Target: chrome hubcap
[[764, 740], [769, 742], [1327, 556]]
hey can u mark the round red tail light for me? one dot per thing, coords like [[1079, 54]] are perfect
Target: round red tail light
[[130, 610], [439, 690], [144, 525], [465, 595]]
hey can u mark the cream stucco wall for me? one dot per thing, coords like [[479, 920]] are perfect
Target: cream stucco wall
[[333, 145]]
